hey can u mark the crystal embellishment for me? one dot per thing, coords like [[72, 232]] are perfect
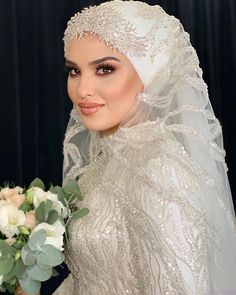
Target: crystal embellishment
[[102, 21]]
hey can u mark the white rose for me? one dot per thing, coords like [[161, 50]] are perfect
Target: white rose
[[6, 191], [60, 208], [56, 204], [54, 233], [3, 202], [40, 196], [10, 219]]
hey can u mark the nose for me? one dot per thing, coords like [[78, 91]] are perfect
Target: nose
[[84, 87]]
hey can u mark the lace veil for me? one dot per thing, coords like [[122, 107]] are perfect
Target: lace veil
[[174, 95]]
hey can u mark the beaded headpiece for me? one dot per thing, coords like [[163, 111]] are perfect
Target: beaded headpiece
[[145, 34]]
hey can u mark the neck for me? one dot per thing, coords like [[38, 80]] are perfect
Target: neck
[[108, 131]]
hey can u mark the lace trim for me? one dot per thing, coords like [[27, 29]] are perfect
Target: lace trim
[[102, 21]]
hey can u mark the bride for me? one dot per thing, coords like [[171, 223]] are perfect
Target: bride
[[147, 151]]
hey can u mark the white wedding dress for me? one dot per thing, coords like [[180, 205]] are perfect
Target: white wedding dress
[[146, 232], [161, 218]]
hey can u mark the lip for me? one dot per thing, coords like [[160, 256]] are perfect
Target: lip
[[89, 108], [89, 104]]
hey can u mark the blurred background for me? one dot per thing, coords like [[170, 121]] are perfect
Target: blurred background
[[34, 106]]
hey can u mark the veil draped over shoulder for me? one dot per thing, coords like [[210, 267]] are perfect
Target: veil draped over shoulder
[[170, 143]]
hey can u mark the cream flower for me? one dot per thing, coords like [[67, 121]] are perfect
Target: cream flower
[[3, 202], [6, 192], [30, 220], [13, 195], [60, 208], [10, 219], [17, 200], [54, 233], [39, 196]]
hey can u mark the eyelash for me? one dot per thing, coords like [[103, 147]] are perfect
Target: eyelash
[[103, 66], [69, 70]]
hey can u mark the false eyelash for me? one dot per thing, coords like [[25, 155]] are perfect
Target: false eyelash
[[68, 70], [106, 66]]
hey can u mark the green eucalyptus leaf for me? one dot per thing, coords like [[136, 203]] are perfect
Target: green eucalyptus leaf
[[43, 266], [31, 287], [52, 217], [47, 209], [16, 271], [39, 213], [27, 256], [6, 264], [42, 211], [39, 274], [37, 182], [6, 249], [26, 207], [36, 241], [72, 188], [49, 256], [80, 213], [60, 193]]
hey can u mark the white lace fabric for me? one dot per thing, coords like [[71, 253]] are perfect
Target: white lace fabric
[[161, 215]]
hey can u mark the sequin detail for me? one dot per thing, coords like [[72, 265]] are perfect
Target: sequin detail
[[102, 21], [141, 236]]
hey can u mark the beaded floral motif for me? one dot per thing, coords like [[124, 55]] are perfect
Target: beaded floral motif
[[110, 26], [134, 222]]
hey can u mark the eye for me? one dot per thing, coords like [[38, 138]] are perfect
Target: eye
[[105, 69], [73, 72]]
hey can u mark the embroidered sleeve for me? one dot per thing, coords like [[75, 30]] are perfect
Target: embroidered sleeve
[[181, 226]]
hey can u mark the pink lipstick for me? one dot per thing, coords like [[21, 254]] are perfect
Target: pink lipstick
[[89, 108]]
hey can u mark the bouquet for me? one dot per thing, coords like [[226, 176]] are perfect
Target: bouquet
[[32, 231]]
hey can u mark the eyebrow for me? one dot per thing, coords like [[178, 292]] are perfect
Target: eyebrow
[[94, 62]]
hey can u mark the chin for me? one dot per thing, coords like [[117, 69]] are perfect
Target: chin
[[101, 128], [94, 126]]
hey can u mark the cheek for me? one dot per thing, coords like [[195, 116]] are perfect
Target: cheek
[[121, 93], [71, 87]]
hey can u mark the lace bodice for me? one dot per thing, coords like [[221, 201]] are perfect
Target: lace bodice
[[146, 232]]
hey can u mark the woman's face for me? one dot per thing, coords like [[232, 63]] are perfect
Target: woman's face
[[102, 84]]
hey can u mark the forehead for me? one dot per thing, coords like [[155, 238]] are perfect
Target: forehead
[[90, 47]]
